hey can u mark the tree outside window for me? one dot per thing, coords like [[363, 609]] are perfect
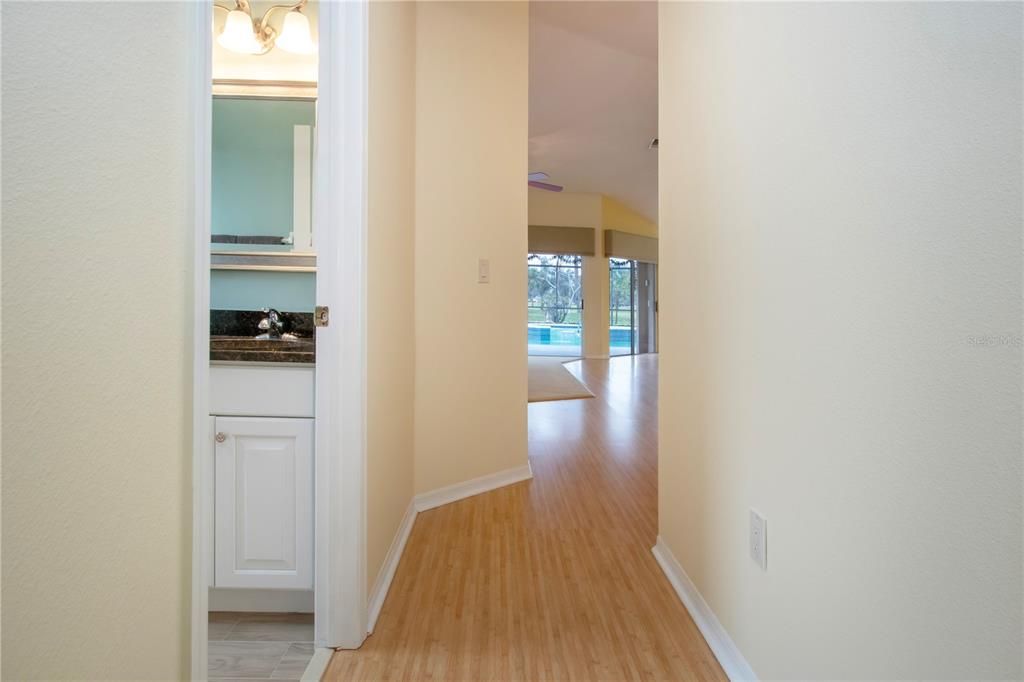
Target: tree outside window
[[554, 288], [620, 292]]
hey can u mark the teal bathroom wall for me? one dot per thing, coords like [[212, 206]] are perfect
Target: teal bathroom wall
[[252, 183], [253, 164], [252, 290]]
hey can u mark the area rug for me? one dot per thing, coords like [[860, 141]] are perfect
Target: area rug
[[550, 380]]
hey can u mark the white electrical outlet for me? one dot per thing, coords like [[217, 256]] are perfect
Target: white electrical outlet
[[758, 540]]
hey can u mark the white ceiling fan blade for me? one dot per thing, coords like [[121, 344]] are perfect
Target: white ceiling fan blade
[[537, 176], [544, 185]]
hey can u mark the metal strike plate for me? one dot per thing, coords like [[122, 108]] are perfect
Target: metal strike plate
[[321, 316]]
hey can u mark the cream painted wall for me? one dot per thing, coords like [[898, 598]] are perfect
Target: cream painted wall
[[569, 209], [841, 263], [390, 251], [595, 302], [471, 145], [96, 353]]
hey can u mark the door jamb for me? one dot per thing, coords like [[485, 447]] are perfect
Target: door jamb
[[339, 215], [200, 85]]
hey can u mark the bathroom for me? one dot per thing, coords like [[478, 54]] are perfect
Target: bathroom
[[259, 483]]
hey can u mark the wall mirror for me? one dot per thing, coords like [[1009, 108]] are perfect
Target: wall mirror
[[262, 175]]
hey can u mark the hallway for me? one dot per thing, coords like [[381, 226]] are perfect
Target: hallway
[[553, 578]]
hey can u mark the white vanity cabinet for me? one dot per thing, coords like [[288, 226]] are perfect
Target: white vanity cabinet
[[278, 390], [264, 502], [262, 477]]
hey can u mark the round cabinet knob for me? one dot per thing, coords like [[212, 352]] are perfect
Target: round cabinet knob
[[221, 437]]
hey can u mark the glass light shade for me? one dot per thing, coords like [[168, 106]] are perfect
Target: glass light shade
[[238, 35], [295, 34]]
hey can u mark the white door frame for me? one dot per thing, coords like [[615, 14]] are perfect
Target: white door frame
[[200, 82], [339, 218]]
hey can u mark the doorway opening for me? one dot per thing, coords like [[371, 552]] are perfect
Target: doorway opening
[[278, 542], [263, 357]]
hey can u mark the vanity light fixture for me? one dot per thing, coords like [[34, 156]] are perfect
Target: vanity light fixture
[[245, 34]]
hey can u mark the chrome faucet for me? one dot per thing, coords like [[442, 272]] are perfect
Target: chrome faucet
[[271, 325]]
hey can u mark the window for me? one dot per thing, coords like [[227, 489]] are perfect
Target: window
[[554, 304]]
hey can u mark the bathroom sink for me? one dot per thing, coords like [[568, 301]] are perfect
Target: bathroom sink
[[249, 349]]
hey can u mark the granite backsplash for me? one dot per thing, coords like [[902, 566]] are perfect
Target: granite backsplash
[[245, 323]]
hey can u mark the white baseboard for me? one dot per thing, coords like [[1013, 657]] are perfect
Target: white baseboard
[[387, 571], [263, 601], [459, 491], [423, 502], [725, 650], [317, 665]]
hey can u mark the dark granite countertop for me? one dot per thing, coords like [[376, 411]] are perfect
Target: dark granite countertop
[[248, 349], [233, 338]]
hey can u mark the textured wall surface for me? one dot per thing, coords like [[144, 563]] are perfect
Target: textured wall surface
[[840, 232], [390, 335], [471, 143], [96, 351]]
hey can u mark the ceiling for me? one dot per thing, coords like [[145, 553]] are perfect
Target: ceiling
[[594, 98]]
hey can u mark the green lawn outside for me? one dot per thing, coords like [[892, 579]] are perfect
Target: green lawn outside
[[618, 317], [539, 315]]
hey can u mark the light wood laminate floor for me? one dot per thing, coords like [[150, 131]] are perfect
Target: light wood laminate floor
[[551, 578]]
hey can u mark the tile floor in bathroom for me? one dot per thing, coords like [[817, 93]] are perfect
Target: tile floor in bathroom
[[259, 646]]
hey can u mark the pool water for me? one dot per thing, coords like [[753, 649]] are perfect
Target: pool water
[[620, 337], [553, 335], [569, 335]]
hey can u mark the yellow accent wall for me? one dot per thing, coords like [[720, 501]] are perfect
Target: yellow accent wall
[[617, 216], [97, 341]]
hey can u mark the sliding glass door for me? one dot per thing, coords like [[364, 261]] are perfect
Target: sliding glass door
[[621, 306], [554, 304], [632, 307], [646, 321]]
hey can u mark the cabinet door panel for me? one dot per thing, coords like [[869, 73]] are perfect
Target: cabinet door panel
[[264, 503]]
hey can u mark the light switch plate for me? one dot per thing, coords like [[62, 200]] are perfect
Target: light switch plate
[[483, 271], [758, 540]]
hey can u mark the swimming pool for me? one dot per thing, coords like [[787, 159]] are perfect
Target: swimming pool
[[568, 337], [553, 334]]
